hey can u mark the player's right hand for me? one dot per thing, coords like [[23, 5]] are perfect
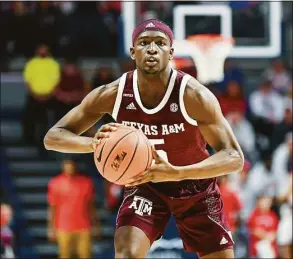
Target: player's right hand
[[104, 132], [51, 235]]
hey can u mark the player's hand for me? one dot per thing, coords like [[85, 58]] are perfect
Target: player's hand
[[51, 234], [104, 132], [160, 171]]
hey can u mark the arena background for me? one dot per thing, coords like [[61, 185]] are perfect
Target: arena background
[[95, 36]]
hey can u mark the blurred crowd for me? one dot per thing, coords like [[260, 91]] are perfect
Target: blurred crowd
[[93, 29], [257, 201], [67, 27], [54, 90]]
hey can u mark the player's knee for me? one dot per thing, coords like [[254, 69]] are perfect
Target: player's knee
[[126, 249], [126, 252], [131, 242]]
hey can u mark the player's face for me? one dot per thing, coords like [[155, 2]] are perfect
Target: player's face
[[152, 52]]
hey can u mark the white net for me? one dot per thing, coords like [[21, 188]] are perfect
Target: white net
[[208, 53]]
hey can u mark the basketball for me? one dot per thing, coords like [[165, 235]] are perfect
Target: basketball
[[125, 154]]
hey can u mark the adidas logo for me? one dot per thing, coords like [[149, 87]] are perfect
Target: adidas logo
[[131, 106], [149, 25], [223, 241]]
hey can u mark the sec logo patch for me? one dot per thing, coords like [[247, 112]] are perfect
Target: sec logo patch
[[173, 107]]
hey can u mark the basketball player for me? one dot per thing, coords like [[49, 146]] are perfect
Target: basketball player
[[179, 116]]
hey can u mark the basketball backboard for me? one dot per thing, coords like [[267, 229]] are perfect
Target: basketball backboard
[[194, 18]]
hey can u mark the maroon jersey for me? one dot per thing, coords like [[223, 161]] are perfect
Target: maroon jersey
[[169, 128]]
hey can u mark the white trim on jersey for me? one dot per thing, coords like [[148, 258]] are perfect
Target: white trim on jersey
[[164, 100], [119, 96], [181, 101]]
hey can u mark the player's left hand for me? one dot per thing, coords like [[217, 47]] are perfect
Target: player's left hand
[[160, 171]]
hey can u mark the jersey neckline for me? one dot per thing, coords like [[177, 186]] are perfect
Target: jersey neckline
[[163, 101]]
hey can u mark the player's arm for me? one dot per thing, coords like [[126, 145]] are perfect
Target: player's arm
[[202, 106], [65, 135]]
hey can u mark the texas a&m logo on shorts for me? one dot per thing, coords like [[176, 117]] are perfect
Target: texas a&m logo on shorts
[[141, 206]]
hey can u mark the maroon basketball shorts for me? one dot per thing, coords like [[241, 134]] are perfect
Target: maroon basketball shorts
[[200, 221]]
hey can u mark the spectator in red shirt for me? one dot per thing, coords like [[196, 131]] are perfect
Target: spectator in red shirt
[[233, 99], [6, 233], [263, 224], [70, 90], [231, 200], [72, 214]]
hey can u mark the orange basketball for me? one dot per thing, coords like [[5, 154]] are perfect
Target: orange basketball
[[125, 154]]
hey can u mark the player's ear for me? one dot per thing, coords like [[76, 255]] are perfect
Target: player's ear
[[171, 55], [132, 53]]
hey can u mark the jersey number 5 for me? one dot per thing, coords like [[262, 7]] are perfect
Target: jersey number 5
[[162, 153]]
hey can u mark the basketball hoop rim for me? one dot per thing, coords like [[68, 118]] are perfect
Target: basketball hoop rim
[[211, 38]]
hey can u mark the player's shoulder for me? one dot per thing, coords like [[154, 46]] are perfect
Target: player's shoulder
[[102, 97], [200, 103], [197, 93], [106, 89]]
